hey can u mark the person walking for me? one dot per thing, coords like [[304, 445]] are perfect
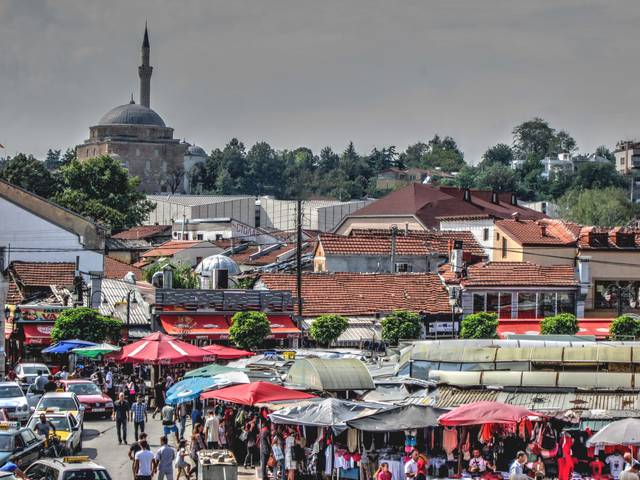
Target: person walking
[[212, 431], [136, 446], [139, 411], [278, 455], [264, 445], [182, 418], [516, 470], [289, 458], [131, 390], [143, 462], [121, 415], [250, 430], [108, 381], [197, 444], [163, 460], [40, 381], [168, 415], [159, 396], [182, 466]]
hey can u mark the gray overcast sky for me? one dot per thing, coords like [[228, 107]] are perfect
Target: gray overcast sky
[[322, 72]]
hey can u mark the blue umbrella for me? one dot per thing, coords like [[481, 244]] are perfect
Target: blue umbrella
[[190, 388], [65, 346]]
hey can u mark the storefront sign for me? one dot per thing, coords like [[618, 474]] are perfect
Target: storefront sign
[[442, 328], [39, 314]]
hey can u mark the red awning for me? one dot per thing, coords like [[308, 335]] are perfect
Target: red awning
[[479, 413], [227, 353], [282, 326], [598, 327], [39, 334], [214, 327], [256, 393]]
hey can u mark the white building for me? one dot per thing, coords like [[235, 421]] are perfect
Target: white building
[[171, 208]]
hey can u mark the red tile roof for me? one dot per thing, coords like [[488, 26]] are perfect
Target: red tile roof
[[244, 257], [537, 233], [372, 245], [42, 274], [116, 269], [428, 203], [513, 274], [14, 296], [364, 294], [168, 249], [143, 232]]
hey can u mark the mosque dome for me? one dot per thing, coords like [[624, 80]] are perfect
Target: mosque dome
[[217, 262], [196, 151], [131, 114]]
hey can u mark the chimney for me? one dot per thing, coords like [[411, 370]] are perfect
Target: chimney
[[495, 199], [516, 216], [466, 195], [406, 229], [456, 257], [543, 230], [514, 199], [584, 270], [167, 277]]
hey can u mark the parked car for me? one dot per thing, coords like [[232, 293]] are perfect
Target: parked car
[[27, 372], [14, 402], [59, 402], [67, 468], [67, 430], [33, 396], [94, 400], [19, 445]]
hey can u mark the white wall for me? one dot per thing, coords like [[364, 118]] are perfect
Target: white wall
[[476, 227], [20, 229]]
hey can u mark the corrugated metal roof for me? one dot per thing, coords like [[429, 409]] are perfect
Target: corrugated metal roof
[[195, 200], [330, 374], [450, 398], [114, 292]]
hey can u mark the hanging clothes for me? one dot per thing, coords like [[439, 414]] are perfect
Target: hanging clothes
[[352, 440], [449, 441]]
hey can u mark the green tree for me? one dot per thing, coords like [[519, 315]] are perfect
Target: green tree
[[598, 175], [443, 153], [412, 156], [561, 324], [624, 327], [249, 329], [86, 324], [265, 169], [533, 138], [52, 160], [327, 328], [500, 153], [498, 177], [479, 325], [27, 172], [101, 189], [401, 324], [607, 207], [603, 151], [183, 275]]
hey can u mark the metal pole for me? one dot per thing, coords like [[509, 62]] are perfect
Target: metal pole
[[299, 257], [128, 309], [394, 233]]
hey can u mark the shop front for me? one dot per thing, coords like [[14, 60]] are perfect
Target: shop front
[[28, 330]]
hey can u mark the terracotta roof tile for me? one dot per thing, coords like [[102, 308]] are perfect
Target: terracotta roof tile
[[42, 274], [363, 294], [167, 249], [116, 269], [429, 203], [245, 257], [14, 297], [513, 274], [537, 233], [143, 232]]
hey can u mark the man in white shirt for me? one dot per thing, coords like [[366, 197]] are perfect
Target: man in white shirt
[[411, 467], [108, 380], [212, 431], [516, 470], [143, 463]]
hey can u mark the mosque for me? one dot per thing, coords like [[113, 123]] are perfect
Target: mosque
[[136, 135]]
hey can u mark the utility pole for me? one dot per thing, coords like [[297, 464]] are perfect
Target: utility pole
[[299, 257]]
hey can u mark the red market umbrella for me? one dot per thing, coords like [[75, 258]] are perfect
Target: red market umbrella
[[161, 349], [254, 393], [227, 353], [479, 413]]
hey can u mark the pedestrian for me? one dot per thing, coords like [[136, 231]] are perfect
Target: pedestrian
[[44, 427], [131, 390], [64, 373], [50, 386], [278, 455], [212, 431], [197, 444], [108, 380], [182, 466], [383, 472], [136, 446], [143, 462], [264, 444], [13, 468], [159, 396], [516, 470], [289, 458], [222, 435], [182, 417], [121, 415], [250, 433], [139, 410], [168, 415], [632, 472], [168, 382], [40, 381], [411, 467], [196, 414], [163, 460]]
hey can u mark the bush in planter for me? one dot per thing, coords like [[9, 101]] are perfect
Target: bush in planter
[[479, 325], [561, 324], [624, 327], [400, 324], [327, 328]]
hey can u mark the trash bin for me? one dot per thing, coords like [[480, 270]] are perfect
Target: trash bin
[[217, 465]]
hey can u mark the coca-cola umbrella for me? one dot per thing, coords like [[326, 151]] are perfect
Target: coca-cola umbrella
[[227, 353], [256, 393], [161, 349], [479, 413]]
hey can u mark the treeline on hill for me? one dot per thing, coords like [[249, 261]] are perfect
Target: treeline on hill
[[595, 194]]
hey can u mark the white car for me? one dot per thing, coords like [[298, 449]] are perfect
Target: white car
[[67, 429], [28, 372], [60, 402], [67, 468], [14, 402]]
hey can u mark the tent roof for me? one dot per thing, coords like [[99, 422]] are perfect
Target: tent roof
[[479, 413], [256, 393], [330, 374], [330, 412], [227, 353], [407, 417], [161, 349], [211, 370], [65, 346]]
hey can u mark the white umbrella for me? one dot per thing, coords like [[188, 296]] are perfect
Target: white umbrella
[[622, 432], [231, 378]]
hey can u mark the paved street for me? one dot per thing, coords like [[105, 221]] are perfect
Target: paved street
[[100, 442]]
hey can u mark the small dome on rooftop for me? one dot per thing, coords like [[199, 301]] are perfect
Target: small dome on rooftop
[[196, 151], [217, 262]]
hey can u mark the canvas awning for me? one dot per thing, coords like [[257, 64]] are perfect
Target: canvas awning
[[213, 327], [330, 374], [407, 417], [598, 327], [38, 334]]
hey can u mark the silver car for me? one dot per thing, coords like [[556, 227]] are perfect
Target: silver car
[[14, 402], [28, 372]]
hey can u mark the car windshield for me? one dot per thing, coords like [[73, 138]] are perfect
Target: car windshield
[[60, 423], [6, 443], [33, 369], [62, 403], [86, 475], [84, 388], [10, 391]]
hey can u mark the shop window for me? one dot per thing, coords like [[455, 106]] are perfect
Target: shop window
[[505, 305], [493, 302], [200, 236], [608, 291], [546, 304], [526, 305], [567, 302], [478, 302]]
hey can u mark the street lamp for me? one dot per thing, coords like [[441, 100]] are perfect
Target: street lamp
[[128, 303]]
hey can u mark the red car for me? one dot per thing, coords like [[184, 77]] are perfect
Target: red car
[[91, 397]]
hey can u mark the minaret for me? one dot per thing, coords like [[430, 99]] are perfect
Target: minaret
[[144, 71]]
